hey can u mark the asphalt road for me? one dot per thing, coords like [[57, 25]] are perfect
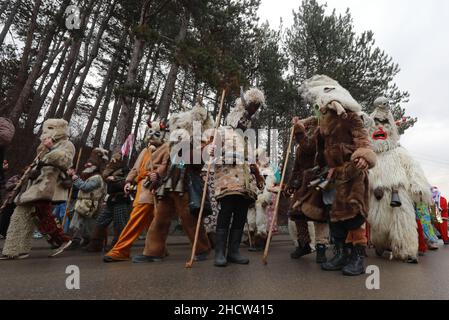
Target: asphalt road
[[40, 277]]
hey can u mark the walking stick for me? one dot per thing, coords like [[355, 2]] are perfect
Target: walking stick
[[152, 168], [278, 199], [66, 214], [203, 199], [249, 235]]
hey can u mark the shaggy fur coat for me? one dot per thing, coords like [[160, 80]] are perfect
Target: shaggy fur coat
[[395, 228], [306, 201], [342, 138], [48, 186]]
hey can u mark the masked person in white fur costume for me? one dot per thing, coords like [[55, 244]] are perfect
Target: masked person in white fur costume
[[181, 188], [396, 184], [46, 186], [237, 177], [258, 214]]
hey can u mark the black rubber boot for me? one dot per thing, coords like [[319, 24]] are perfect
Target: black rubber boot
[[234, 256], [321, 253], [221, 238], [301, 252], [356, 266], [340, 259]]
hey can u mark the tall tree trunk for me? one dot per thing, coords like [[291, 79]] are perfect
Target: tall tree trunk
[[9, 21], [126, 101], [195, 89], [115, 112], [58, 48], [39, 99], [147, 89], [108, 84], [22, 73], [183, 89], [104, 110], [91, 57], [43, 50], [69, 67], [112, 122], [167, 94]]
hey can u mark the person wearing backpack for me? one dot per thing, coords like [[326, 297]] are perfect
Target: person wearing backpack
[[90, 197]]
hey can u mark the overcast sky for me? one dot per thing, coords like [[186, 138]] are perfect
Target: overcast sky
[[415, 33]]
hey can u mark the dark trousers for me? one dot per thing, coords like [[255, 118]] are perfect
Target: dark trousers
[[349, 231], [235, 207], [117, 212]]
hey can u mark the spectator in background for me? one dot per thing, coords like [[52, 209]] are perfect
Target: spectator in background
[[441, 207]]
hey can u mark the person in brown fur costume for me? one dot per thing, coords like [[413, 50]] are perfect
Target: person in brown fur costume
[[175, 194], [306, 204], [343, 146]]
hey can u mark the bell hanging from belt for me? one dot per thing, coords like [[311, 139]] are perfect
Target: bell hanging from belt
[[180, 185], [168, 184], [160, 193], [395, 200]]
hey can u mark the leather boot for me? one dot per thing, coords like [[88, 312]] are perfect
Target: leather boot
[[221, 238], [234, 255], [356, 265], [301, 252], [340, 258], [321, 253], [97, 240]]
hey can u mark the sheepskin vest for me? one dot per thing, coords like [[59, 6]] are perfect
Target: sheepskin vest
[[232, 176]]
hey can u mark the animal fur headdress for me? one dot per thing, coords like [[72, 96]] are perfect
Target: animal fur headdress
[[254, 97], [324, 92], [98, 158], [181, 124], [116, 163], [57, 129]]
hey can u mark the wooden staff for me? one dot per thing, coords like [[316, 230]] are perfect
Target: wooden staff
[[66, 214], [203, 199], [278, 199], [21, 181], [151, 169]]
